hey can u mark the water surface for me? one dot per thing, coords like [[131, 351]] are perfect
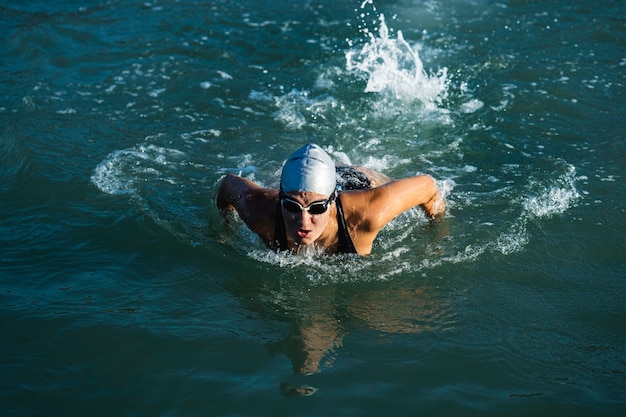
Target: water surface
[[122, 293]]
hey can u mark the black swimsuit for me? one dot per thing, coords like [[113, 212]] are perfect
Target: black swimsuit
[[348, 179]]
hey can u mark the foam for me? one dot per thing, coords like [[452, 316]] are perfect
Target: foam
[[297, 108], [109, 175], [550, 199], [122, 170], [472, 106], [553, 198], [321, 269]]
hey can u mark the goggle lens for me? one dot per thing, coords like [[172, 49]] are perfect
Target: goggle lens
[[318, 207]]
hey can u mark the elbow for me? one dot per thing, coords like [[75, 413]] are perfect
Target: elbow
[[223, 198]]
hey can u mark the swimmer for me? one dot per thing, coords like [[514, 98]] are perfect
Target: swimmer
[[327, 208]]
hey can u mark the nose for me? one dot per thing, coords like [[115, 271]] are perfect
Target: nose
[[305, 218]]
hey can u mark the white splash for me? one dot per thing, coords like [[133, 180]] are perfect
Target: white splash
[[554, 198], [544, 201], [122, 170], [393, 68], [297, 108], [109, 176]]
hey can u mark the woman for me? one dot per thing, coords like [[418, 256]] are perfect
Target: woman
[[313, 210]]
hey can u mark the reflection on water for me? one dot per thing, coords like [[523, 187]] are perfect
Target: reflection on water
[[320, 316]]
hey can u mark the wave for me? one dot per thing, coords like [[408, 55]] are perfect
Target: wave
[[397, 256], [123, 171]]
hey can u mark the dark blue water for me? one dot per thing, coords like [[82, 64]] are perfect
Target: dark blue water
[[122, 293]]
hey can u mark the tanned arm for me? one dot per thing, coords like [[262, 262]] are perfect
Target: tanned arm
[[400, 195], [233, 193], [255, 205], [368, 211]]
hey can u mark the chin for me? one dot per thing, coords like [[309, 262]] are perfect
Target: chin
[[305, 241]]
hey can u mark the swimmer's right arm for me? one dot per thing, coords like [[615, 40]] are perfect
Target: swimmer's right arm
[[255, 205], [232, 194]]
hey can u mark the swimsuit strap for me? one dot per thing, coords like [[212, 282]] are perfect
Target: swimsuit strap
[[280, 235], [345, 241]]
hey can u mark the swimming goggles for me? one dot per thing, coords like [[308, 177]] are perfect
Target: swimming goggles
[[316, 207]]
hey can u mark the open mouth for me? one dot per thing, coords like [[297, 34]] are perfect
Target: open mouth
[[303, 233]]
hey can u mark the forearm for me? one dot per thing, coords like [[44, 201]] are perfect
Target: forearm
[[420, 191]]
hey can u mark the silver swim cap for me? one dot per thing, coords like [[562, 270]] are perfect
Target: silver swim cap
[[309, 169]]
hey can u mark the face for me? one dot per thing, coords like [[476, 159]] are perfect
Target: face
[[302, 227]]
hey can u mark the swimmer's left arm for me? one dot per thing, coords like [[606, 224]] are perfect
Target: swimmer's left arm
[[435, 207], [400, 195]]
